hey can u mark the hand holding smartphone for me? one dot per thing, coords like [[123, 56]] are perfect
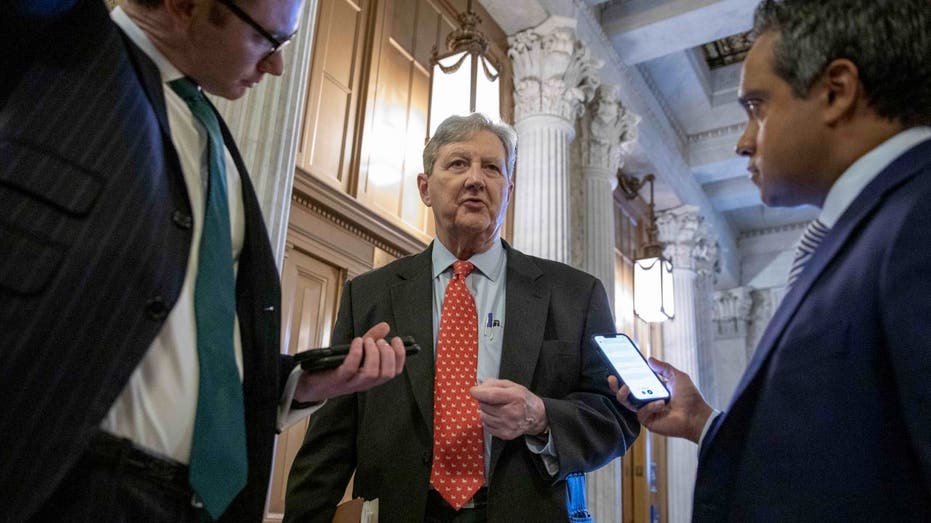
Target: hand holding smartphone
[[326, 358], [628, 364]]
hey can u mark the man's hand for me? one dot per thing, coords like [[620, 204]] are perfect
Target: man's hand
[[382, 362], [685, 414], [510, 410]]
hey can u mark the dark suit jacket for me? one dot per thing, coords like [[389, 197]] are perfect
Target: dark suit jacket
[[386, 434], [832, 421], [95, 231]]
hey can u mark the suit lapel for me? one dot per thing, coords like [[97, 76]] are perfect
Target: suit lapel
[[151, 82], [859, 211], [525, 321], [412, 303]]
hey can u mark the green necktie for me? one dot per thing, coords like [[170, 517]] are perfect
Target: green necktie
[[218, 466]]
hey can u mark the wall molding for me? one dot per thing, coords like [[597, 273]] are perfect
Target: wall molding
[[347, 213]]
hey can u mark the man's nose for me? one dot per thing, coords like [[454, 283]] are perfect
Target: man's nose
[[475, 178], [746, 144], [272, 64]]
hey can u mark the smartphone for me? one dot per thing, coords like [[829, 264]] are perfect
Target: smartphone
[[629, 365], [326, 358]]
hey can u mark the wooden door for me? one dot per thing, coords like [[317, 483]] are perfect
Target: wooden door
[[310, 294]]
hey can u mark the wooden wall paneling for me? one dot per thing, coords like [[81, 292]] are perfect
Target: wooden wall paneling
[[395, 137], [333, 96], [309, 300], [312, 229]]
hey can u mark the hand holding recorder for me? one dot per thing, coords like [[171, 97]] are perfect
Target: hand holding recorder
[[369, 361]]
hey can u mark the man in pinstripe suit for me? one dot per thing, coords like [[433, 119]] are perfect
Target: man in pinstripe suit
[[102, 212]]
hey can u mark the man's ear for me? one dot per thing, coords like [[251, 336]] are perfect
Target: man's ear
[[842, 90], [181, 12], [423, 186]]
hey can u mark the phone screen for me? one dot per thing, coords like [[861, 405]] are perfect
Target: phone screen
[[631, 368]]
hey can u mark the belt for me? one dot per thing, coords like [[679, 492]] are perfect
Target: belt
[[124, 454], [478, 500]]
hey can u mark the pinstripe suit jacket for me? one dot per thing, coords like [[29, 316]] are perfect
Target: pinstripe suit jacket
[[95, 230]]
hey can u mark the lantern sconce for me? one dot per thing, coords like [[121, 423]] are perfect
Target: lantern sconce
[[653, 290], [465, 79]]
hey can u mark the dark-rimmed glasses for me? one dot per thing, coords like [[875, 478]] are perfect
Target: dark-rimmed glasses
[[277, 43]]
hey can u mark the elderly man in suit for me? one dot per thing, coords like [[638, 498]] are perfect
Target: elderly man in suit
[[831, 420], [508, 396], [139, 298]]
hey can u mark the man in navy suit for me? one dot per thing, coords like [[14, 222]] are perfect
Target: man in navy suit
[[105, 170], [832, 420]]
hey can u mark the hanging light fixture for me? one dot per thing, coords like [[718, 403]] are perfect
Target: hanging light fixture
[[653, 293], [464, 80]]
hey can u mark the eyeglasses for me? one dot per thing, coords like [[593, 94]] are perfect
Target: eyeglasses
[[277, 43]]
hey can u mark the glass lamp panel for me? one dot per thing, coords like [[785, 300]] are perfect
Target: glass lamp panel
[[487, 92], [669, 302], [649, 292], [451, 92]]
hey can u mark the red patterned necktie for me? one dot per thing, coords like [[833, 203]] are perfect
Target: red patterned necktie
[[458, 444]]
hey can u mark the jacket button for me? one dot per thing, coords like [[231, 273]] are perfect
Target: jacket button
[[426, 457], [156, 308], [182, 219]]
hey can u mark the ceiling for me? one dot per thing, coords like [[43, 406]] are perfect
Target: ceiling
[[655, 51], [668, 42]]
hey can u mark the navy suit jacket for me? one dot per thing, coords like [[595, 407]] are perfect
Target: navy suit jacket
[[386, 434], [832, 420], [95, 232]]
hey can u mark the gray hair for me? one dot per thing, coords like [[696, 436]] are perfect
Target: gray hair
[[888, 40], [461, 128]]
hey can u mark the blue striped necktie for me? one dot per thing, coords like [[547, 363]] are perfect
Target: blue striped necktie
[[218, 466], [811, 238]]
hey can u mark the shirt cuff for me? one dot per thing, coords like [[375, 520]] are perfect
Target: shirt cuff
[[289, 411], [714, 414], [546, 450]]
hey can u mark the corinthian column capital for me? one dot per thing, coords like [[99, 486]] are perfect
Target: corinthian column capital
[[731, 313], [688, 240], [605, 128], [554, 73]]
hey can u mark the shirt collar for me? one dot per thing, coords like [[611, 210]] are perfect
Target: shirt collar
[[865, 169], [490, 263], [166, 70]]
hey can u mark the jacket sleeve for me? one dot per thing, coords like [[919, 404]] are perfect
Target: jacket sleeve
[[589, 428]]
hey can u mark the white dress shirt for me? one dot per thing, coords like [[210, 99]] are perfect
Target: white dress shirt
[[156, 409]]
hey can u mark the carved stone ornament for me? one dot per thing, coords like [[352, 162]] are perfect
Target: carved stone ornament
[[606, 126], [731, 312], [688, 240], [554, 73]]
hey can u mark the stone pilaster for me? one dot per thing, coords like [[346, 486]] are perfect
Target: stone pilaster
[[732, 320], [553, 77], [266, 124], [765, 302], [686, 338], [604, 129]]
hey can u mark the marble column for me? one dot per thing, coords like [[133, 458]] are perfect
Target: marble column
[[731, 316], [266, 124], [688, 243], [553, 78], [605, 128]]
